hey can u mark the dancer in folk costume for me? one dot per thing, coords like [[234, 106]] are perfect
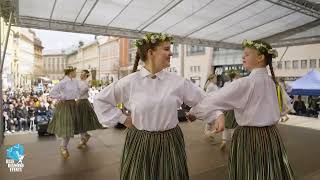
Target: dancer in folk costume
[[87, 120], [154, 146], [257, 150], [210, 86], [230, 119], [65, 113]]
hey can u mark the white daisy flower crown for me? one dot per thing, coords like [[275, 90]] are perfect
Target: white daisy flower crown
[[262, 48], [153, 38]]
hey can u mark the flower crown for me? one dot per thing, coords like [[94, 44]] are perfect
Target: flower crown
[[262, 48], [152, 38]]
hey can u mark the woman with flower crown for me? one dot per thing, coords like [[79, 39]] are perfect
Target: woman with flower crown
[[65, 113], [87, 120], [257, 151], [154, 145]]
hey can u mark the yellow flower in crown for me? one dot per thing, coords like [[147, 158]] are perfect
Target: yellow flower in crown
[[153, 38]]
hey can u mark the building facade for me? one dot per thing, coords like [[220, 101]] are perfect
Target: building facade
[[54, 62], [25, 57], [19, 63], [38, 69], [296, 61], [110, 59], [191, 62], [102, 58]]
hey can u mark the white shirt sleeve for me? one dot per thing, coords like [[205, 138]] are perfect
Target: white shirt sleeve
[[105, 104], [233, 96], [56, 91], [192, 94], [287, 101]]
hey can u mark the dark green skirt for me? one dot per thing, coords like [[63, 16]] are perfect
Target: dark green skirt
[[230, 120], [87, 119], [64, 117], [154, 156], [257, 153]]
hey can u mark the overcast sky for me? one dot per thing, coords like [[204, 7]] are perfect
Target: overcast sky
[[61, 40]]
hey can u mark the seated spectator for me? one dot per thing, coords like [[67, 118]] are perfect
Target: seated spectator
[[13, 119], [313, 107], [300, 107], [22, 113]]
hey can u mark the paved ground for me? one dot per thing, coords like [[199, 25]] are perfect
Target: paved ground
[[101, 159]]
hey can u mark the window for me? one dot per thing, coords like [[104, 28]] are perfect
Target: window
[[175, 50], [287, 65], [191, 68], [313, 63], [295, 64], [279, 65], [195, 50], [198, 68], [304, 64]]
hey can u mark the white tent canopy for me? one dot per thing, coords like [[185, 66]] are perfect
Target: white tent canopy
[[218, 23]]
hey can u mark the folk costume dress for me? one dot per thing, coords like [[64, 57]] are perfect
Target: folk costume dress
[[154, 148], [257, 150], [88, 119], [63, 123]]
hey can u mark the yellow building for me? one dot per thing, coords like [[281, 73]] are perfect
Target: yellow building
[[20, 57]]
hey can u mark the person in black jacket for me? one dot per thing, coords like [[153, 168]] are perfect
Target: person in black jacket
[[12, 118], [22, 115], [300, 107]]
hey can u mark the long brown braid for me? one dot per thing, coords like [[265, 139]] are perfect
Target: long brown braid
[[136, 62]]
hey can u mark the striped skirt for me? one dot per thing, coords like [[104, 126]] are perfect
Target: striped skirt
[[154, 156], [257, 153], [87, 119], [230, 120], [64, 117]]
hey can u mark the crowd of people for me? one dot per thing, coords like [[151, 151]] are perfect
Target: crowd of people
[[23, 108], [312, 108]]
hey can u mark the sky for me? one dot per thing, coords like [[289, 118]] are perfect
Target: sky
[[52, 40]]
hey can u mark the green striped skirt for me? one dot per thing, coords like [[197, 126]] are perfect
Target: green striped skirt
[[64, 117], [258, 153], [87, 119], [154, 156], [230, 120]]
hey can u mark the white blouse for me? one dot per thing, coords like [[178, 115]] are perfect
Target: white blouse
[[153, 102], [211, 87], [66, 89], [253, 99], [84, 89]]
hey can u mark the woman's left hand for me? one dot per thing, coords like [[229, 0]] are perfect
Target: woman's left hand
[[219, 124], [191, 117]]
